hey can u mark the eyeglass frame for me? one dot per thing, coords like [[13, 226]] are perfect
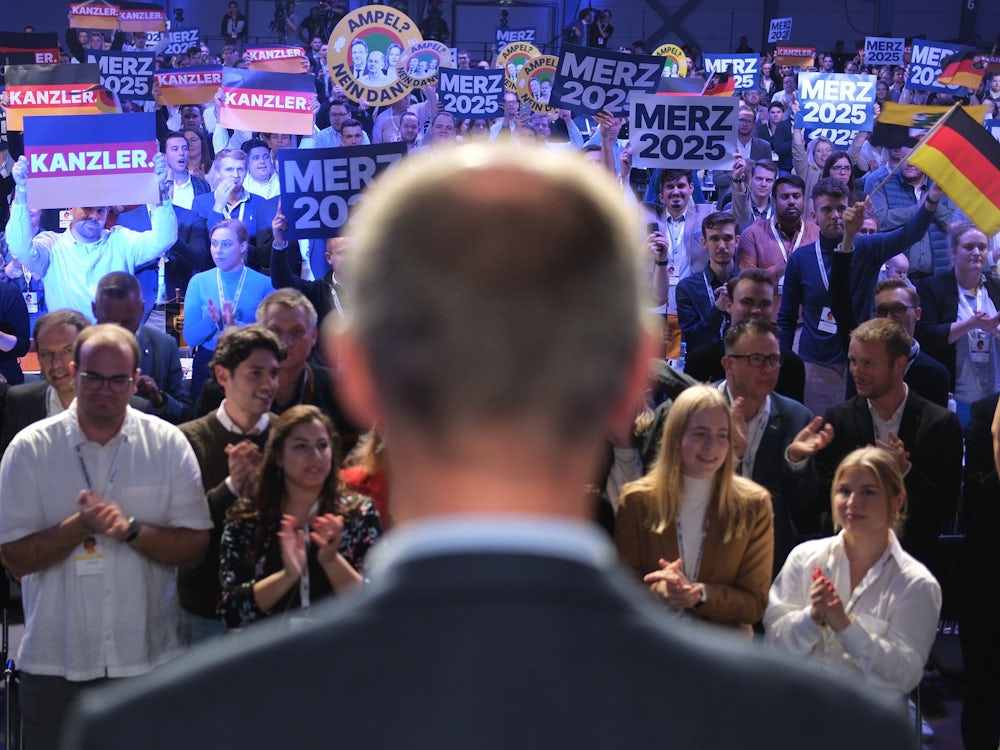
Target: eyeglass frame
[[95, 382], [772, 360]]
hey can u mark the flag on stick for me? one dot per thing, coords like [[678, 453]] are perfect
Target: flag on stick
[[961, 157]]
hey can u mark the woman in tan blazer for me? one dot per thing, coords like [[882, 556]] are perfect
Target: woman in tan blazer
[[697, 534]]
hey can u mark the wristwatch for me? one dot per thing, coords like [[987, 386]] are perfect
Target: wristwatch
[[134, 527]]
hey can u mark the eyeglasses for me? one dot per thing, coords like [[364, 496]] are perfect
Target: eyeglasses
[[841, 168], [91, 381], [759, 360], [892, 311], [866, 230]]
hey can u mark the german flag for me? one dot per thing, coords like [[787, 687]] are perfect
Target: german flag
[[720, 84], [962, 69], [901, 125], [961, 157]]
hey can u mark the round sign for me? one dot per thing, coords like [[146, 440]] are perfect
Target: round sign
[[512, 59], [675, 65], [420, 66], [534, 82], [364, 52]]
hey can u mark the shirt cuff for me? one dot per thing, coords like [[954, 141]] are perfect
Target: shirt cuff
[[854, 638], [795, 465]]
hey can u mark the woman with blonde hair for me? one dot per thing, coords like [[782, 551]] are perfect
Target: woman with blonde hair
[[697, 533], [856, 601]]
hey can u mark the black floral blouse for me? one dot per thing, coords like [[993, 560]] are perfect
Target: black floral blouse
[[239, 568]]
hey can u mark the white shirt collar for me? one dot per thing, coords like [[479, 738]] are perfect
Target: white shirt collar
[[229, 424]]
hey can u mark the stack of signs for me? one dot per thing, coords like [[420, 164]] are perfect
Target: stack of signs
[[835, 106], [591, 79]]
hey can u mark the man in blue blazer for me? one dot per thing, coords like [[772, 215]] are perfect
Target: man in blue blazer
[[496, 615]]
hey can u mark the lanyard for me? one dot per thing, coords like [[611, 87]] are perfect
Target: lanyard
[[693, 577], [304, 598], [708, 288], [822, 267], [781, 243], [239, 289], [765, 214], [109, 483]]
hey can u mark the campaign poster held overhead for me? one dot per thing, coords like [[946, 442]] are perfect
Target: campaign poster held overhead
[[91, 161], [590, 79], [320, 185]]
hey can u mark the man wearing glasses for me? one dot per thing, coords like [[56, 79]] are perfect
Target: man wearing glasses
[[778, 436], [100, 505]]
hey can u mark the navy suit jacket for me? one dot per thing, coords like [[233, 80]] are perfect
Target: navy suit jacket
[[188, 256], [159, 357], [939, 300], [28, 403], [489, 651], [933, 437], [204, 205], [793, 493]]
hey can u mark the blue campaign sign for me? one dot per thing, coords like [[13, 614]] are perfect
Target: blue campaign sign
[[127, 74], [836, 100], [471, 94], [745, 69], [925, 66], [590, 79], [319, 185]]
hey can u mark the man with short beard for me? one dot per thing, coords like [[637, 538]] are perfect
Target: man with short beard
[[769, 244]]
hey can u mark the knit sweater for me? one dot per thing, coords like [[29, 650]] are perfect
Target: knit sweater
[[199, 587]]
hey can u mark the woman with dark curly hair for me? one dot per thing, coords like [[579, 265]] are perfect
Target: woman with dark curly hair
[[299, 537]]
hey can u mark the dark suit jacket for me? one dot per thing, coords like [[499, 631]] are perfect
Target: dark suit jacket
[[939, 300], [924, 374], [204, 205], [285, 267], [159, 357], [933, 436], [793, 493], [705, 366], [26, 404], [489, 651], [781, 142], [188, 256]]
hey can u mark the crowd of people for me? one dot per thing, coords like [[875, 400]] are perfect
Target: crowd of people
[[832, 319]]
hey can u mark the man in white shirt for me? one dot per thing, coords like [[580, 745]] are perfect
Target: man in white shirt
[[261, 179], [100, 505], [183, 185], [71, 263]]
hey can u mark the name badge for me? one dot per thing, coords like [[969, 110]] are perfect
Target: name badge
[[827, 323], [89, 559], [979, 347]]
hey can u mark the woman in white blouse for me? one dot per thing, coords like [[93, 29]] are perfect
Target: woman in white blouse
[[856, 601]]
